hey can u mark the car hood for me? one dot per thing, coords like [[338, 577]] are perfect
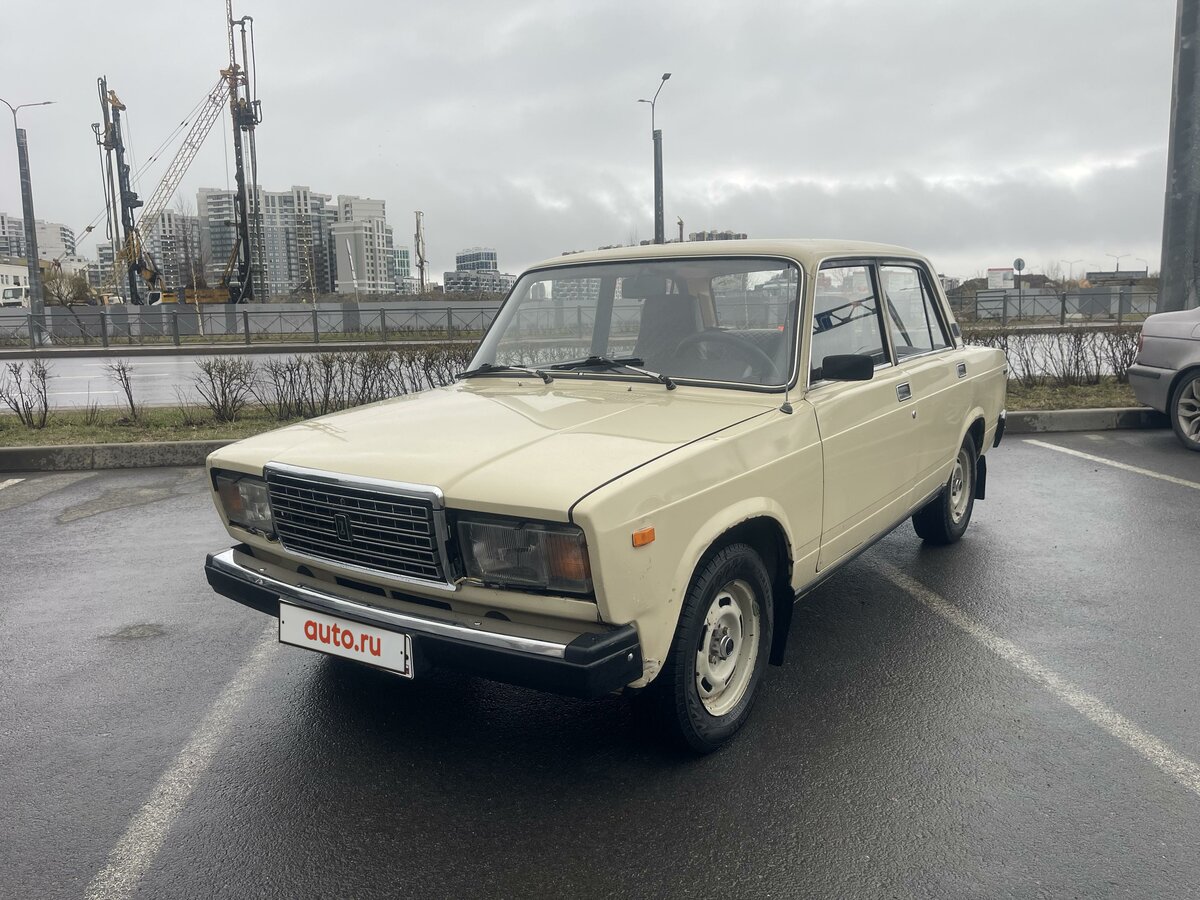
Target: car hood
[[503, 445]]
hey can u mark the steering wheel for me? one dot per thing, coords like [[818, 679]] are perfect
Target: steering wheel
[[754, 357]]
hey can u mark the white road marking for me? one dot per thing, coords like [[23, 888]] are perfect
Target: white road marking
[[138, 847], [78, 393], [1092, 708], [10, 482], [1194, 485]]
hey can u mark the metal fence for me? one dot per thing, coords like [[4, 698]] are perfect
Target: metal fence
[[119, 326], [1117, 304], [181, 325]]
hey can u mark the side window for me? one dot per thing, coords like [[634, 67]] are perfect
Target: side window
[[916, 327], [846, 316]]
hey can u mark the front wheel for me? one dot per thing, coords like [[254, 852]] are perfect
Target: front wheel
[[944, 519], [707, 687], [1185, 411]]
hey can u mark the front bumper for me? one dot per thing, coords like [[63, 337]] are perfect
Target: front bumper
[[590, 665]]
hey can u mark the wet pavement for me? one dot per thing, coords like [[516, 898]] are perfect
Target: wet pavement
[[1014, 716]]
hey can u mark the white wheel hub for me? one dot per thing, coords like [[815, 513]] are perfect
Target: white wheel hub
[[960, 494], [728, 647]]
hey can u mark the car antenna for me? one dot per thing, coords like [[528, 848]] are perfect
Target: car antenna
[[787, 403]]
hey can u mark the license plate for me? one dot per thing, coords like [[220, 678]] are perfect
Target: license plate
[[389, 650]]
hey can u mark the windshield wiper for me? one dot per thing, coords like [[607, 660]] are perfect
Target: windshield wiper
[[489, 368], [632, 363]]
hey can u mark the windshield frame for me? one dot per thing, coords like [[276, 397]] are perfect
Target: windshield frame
[[796, 317]]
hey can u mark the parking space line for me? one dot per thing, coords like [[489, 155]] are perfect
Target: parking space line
[[10, 482], [1092, 708], [138, 847], [1194, 485]]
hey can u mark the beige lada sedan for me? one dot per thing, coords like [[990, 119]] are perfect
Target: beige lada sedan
[[655, 452]]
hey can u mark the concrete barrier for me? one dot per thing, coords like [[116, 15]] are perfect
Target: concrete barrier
[[1039, 421], [76, 457]]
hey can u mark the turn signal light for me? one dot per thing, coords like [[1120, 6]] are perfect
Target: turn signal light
[[643, 536]]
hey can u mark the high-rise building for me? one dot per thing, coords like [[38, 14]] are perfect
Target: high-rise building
[[717, 236], [295, 240], [477, 281], [12, 236], [218, 234], [364, 246], [174, 246], [477, 269], [476, 259], [54, 239]]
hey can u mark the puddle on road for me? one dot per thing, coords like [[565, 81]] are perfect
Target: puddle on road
[[136, 632], [137, 495], [35, 487]]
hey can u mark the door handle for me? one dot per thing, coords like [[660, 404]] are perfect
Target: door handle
[[903, 392], [962, 370]]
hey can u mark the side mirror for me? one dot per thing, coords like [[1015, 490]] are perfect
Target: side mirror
[[848, 367]]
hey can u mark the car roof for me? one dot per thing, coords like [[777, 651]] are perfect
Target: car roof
[[807, 252]]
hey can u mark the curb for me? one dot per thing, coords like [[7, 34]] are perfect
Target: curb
[[82, 457], [1040, 421]]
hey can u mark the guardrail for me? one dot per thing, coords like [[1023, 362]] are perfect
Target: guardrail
[[178, 325]]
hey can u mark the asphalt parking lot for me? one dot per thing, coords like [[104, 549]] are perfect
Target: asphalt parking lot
[[1015, 716]]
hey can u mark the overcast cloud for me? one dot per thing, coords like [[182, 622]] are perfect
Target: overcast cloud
[[971, 131]]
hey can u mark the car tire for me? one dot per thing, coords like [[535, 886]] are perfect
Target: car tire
[[707, 687], [1185, 410], [945, 518]]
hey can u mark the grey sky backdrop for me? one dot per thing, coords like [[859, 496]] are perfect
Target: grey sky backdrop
[[971, 131]]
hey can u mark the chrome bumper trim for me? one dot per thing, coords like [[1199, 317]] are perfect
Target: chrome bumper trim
[[326, 601]]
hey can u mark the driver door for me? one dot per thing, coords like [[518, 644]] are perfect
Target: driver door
[[867, 427]]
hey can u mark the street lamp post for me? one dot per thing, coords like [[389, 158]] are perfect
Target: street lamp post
[[1071, 267], [656, 136], [1118, 257], [31, 249]]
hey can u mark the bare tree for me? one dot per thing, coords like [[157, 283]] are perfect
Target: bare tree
[[65, 288]]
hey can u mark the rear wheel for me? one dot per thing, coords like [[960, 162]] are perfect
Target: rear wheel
[[1185, 411], [707, 686], [944, 519]]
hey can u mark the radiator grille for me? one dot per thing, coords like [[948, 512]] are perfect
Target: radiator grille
[[355, 525]]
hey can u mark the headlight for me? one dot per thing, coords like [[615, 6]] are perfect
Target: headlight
[[521, 554], [245, 501]]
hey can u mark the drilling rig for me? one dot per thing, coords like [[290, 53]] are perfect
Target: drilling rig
[[238, 86]]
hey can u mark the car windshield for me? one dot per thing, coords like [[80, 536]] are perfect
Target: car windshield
[[708, 319]]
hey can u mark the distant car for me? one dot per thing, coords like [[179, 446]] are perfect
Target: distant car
[[1166, 373], [14, 297], [655, 451]]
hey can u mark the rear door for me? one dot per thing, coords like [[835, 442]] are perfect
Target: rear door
[[867, 434], [932, 367]]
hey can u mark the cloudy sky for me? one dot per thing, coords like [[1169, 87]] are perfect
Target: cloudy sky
[[972, 131]]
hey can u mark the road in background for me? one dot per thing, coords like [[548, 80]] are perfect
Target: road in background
[[900, 751]]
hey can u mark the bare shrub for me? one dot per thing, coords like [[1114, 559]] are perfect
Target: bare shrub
[[284, 388], [27, 392], [191, 414], [226, 384], [120, 371], [1119, 347]]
